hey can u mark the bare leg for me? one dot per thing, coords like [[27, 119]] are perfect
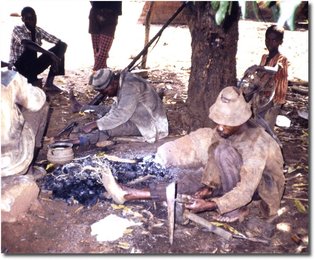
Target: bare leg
[[50, 86], [135, 194], [75, 105], [119, 193]]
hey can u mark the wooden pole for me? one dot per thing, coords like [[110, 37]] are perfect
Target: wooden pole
[[147, 34]]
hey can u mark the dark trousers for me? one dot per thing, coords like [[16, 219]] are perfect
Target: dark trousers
[[29, 65], [229, 162]]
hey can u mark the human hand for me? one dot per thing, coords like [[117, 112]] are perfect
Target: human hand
[[204, 192], [87, 128], [199, 205], [251, 70], [11, 67]]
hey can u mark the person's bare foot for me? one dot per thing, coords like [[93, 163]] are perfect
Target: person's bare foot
[[74, 104], [232, 216], [112, 187], [104, 143]]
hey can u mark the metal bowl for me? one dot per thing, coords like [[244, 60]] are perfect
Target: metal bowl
[[60, 153]]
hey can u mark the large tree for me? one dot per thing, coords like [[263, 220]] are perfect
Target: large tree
[[214, 33]]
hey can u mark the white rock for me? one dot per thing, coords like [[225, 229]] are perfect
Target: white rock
[[283, 121]]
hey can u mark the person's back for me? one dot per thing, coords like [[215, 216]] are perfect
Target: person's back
[[139, 103], [18, 135]]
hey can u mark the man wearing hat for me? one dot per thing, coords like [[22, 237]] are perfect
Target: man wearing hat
[[138, 111], [241, 162]]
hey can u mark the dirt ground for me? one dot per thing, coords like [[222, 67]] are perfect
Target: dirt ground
[[55, 227]]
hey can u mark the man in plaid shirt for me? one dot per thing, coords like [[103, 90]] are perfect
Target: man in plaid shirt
[[26, 41]]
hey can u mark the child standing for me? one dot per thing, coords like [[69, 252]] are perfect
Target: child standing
[[276, 63]]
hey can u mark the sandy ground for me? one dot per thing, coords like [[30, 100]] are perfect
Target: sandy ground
[[69, 225]]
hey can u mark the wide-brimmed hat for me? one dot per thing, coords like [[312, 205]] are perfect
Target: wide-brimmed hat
[[101, 79], [230, 108]]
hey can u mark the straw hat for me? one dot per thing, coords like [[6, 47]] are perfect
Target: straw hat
[[230, 108], [101, 79]]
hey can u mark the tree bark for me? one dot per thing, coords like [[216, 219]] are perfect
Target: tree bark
[[213, 65]]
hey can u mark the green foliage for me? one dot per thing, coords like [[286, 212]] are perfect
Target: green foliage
[[215, 5], [222, 11], [285, 11]]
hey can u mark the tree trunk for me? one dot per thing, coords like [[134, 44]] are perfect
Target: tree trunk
[[213, 61]]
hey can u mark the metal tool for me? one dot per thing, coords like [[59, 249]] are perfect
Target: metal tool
[[99, 97], [170, 198], [212, 228], [68, 128], [176, 200], [171, 203]]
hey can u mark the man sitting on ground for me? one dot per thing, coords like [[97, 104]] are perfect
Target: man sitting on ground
[[26, 42], [139, 111], [242, 163], [24, 113]]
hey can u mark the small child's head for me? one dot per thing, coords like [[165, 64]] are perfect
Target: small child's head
[[274, 37]]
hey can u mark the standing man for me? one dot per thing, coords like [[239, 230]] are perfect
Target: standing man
[[26, 41], [103, 20]]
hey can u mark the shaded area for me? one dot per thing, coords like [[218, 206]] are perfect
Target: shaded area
[[55, 226]]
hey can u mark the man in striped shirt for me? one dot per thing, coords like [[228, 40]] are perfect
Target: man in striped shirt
[[26, 41]]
